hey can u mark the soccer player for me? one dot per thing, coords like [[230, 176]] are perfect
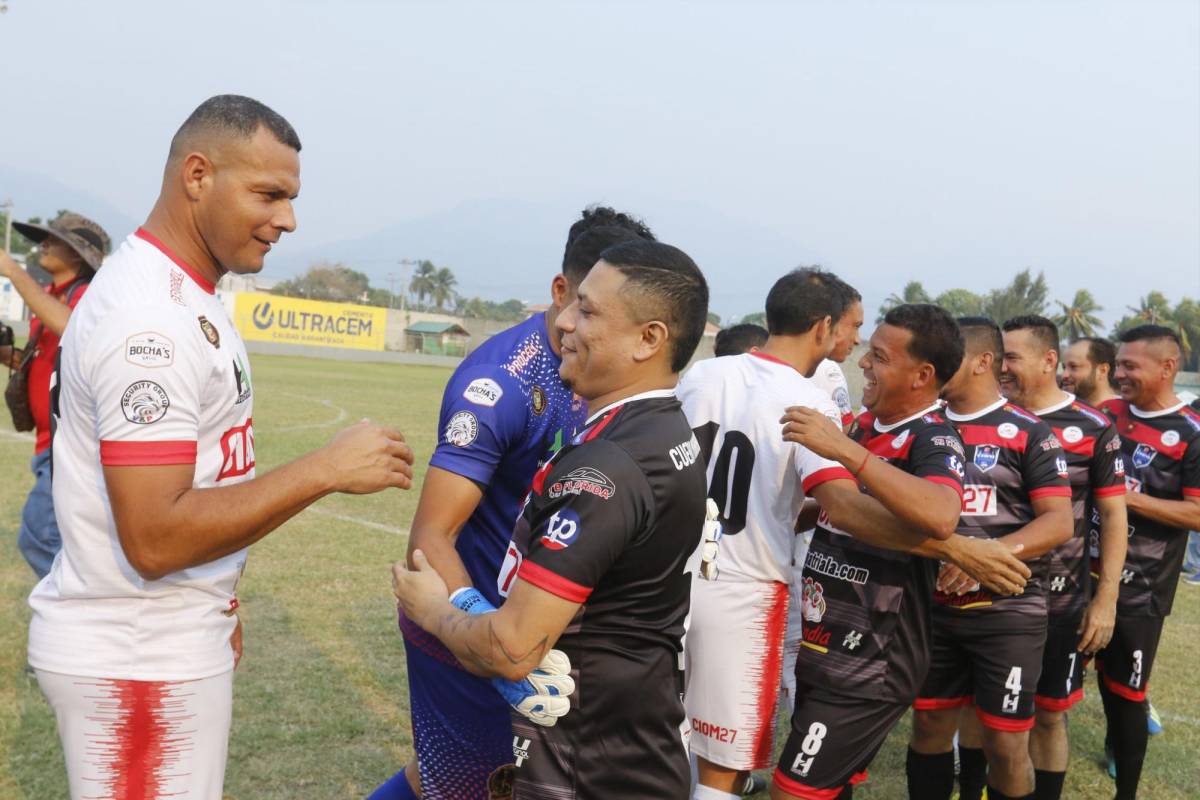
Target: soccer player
[[1160, 440], [986, 649], [601, 560], [503, 412], [134, 635], [1078, 627], [1089, 367], [738, 339], [867, 595]]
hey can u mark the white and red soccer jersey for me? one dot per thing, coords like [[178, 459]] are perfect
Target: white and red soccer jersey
[[830, 379], [757, 480], [151, 372]]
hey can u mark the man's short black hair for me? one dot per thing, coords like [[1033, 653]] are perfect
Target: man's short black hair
[[576, 265], [584, 251], [738, 339], [804, 297], [1044, 330], [1102, 351], [936, 338], [232, 115], [982, 335], [662, 282], [1143, 333]]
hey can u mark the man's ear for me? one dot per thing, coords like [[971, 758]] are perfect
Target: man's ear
[[560, 291], [823, 330], [196, 174], [983, 362], [654, 339], [926, 375]]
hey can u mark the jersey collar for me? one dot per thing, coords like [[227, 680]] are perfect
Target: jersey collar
[[201, 281], [879, 426], [981, 412], [1056, 407], [1137, 412], [650, 395]]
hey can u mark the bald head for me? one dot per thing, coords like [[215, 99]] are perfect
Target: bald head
[[228, 118]]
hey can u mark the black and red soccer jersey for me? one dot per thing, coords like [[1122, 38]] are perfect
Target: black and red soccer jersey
[[1096, 469], [865, 609], [1162, 459], [1012, 459], [612, 521]]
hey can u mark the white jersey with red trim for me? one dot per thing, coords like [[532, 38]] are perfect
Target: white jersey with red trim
[[151, 372], [757, 480], [830, 379]]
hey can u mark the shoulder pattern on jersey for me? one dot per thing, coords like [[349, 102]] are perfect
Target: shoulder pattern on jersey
[[1093, 414]]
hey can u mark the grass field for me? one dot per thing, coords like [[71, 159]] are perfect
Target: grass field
[[320, 707]]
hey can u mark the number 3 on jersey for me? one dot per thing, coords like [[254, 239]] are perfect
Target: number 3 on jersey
[[732, 470]]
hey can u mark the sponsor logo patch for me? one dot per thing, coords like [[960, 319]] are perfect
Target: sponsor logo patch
[[241, 380], [144, 402], [1143, 455], [537, 399], [1060, 464], [483, 392], [1006, 430], [812, 601], [462, 429], [1118, 466], [237, 451], [150, 349], [986, 456], [899, 441], [561, 530], [1072, 434], [955, 465], [827, 565], [584, 479], [1170, 438], [210, 331]]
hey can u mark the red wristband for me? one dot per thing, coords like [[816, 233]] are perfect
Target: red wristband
[[861, 466]]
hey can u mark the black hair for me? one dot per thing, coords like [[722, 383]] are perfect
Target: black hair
[[1142, 333], [667, 285], [804, 297], [1043, 329], [739, 339], [236, 115], [585, 249], [982, 335], [576, 265], [1102, 351], [936, 338]]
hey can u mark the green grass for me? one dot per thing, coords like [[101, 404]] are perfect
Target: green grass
[[320, 705]]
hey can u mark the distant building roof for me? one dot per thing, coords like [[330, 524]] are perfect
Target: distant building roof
[[711, 329], [437, 327]]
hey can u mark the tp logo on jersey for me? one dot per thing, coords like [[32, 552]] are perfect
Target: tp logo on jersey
[[986, 456], [1143, 455], [955, 465], [462, 429], [1060, 464], [144, 402], [562, 530], [1118, 466]]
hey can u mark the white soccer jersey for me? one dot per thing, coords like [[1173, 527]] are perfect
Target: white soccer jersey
[[152, 372], [830, 379], [758, 480]]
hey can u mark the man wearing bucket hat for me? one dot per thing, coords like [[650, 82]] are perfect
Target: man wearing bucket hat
[[71, 249]]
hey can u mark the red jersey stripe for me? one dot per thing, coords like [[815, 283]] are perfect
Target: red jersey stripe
[[145, 454], [553, 583], [987, 434], [825, 475], [1050, 491], [201, 281]]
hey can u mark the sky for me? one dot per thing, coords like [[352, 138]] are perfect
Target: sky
[[948, 142]]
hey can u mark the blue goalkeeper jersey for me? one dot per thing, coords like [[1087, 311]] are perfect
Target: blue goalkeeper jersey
[[504, 411]]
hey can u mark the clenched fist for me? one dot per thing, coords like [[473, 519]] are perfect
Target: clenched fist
[[367, 458]]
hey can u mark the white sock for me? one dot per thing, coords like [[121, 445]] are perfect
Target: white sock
[[708, 793]]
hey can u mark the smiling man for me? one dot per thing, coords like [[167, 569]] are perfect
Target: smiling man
[[600, 564], [134, 635]]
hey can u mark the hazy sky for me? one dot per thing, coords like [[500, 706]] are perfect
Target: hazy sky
[[951, 142]]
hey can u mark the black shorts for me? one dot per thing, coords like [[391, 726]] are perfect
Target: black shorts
[[993, 660], [1063, 668], [1125, 664], [832, 742]]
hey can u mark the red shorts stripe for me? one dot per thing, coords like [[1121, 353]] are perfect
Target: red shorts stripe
[[797, 789], [1003, 723], [940, 703], [774, 623], [1058, 703], [1121, 690]]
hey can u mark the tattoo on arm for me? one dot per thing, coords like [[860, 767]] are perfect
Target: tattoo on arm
[[474, 641]]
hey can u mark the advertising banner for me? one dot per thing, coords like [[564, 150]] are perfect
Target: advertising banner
[[292, 320]]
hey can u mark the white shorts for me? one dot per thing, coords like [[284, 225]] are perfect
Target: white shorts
[[795, 625], [144, 739], [734, 654]]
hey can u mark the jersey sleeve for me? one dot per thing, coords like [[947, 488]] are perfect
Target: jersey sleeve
[[937, 455], [145, 370], [604, 501], [1191, 469], [484, 413], [812, 469], [1044, 466], [840, 392], [1107, 475]]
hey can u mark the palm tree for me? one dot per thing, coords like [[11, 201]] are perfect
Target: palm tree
[[422, 284], [1187, 326], [913, 292], [443, 286], [1077, 318], [1153, 309]]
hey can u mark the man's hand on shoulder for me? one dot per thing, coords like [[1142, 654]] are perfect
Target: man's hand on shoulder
[[816, 431], [367, 458]]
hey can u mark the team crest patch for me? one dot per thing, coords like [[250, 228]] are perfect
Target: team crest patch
[[144, 402], [462, 429], [1143, 455], [584, 479], [210, 331], [538, 400], [483, 392], [562, 530], [986, 456], [812, 602]]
